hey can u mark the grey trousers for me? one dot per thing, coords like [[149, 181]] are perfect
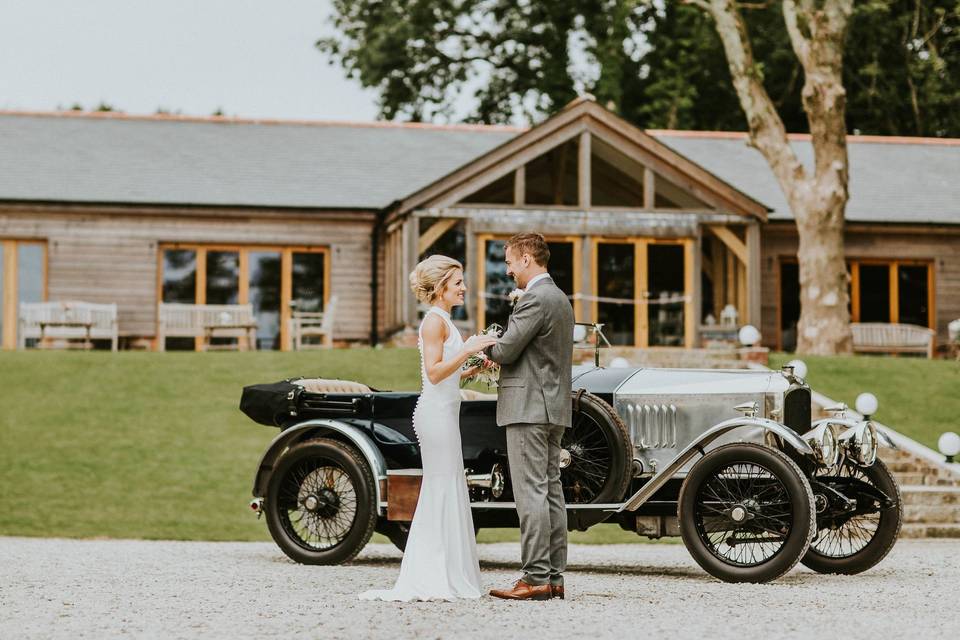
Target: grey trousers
[[534, 454]]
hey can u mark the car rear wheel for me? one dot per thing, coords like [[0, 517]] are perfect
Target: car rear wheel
[[595, 457], [746, 513], [852, 541], [321, 502]]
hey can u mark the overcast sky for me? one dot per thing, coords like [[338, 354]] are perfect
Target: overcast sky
[[252, 58]]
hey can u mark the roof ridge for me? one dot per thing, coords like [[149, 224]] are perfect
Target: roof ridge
[[166, 117], [868, 139]]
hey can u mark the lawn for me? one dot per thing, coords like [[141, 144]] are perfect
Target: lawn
[[152, 445], [918, 397]]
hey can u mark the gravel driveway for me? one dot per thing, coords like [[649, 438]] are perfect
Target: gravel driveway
[[110, 588]]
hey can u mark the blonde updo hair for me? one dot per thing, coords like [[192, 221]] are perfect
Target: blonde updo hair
[[431, 276]]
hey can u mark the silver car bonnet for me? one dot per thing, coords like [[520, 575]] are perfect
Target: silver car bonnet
[[667, 409]]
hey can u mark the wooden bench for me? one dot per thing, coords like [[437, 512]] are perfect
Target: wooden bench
[[882, 337], [206, 321], [68, 321], [319, 324]]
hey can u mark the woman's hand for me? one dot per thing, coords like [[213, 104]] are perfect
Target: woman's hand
[[469, 372], [477, 343]]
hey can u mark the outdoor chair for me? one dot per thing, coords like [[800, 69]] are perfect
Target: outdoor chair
[[67, 324], [313, 324]]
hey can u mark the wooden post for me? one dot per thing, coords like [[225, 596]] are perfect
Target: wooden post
[[583, 172], [754, 276], [286, 295], [410, 240], [470, 277], [586, 280], [649, 189], [9, 306], [520, 185], [200, 344], [641, 284], [692, 311]]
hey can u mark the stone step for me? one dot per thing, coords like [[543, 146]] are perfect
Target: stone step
[[910, 478], [920, 495], [939, 514], [930, 531]]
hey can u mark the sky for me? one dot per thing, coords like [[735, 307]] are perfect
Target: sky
[[250, 58]]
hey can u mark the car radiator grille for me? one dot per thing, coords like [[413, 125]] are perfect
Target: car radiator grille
[[796, 409], [652, 425]]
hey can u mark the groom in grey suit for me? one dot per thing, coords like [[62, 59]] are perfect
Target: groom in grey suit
[[535, 354]]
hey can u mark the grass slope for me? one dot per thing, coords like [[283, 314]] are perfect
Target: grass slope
[[920, 398]]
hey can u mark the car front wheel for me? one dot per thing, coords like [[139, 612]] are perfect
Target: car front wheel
[[321, 502], [746, 513]]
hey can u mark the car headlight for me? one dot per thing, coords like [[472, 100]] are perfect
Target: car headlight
[[860, 443], [825, 443]]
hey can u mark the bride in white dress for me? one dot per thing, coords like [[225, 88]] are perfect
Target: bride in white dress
[[440, 561]]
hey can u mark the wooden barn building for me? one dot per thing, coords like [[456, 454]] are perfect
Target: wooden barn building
[[655, 233]]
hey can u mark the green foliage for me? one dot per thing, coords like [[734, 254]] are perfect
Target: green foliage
[[657, 64]]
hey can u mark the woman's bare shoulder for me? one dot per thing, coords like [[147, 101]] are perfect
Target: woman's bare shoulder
[[434, 327]]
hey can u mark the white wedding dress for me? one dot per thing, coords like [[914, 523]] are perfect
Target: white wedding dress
[[440, 561]]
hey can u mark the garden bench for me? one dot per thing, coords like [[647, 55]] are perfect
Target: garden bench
[[883, 337], [206, 321], [68, 321], [304, 324]]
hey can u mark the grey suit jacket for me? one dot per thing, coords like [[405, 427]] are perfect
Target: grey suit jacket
[[536, 356]]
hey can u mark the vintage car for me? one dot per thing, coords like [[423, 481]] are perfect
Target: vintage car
[[727, 459]]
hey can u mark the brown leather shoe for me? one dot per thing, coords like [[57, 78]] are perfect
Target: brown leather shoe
[[556, 591], [523, 591]]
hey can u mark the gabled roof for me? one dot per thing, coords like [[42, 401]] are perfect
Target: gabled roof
[[583, 114], [220, 161]]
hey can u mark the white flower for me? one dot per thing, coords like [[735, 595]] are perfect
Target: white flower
[[515, 296]]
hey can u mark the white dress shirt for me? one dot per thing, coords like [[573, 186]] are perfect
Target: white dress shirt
[[534, 279]]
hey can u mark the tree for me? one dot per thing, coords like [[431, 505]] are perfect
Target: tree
[[658, 64]]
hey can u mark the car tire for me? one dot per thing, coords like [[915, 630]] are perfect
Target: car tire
[[595, 423], [885, 536], [708, 512], [334, 476]]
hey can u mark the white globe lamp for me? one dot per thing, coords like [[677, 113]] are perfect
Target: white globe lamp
[[579, 333], [866, 404], [619, 363], [799, 368], [949, 445], [748, 335]]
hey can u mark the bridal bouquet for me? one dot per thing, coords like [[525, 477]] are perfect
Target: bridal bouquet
[[488, 371]]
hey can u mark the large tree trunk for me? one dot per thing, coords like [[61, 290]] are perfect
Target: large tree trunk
[[817, 30]]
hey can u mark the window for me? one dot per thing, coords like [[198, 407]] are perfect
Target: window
[[23, 278], [551, 179], [615, 179], [273, 280], [897, 291], [644, 288], [493, 303], [500, 191]]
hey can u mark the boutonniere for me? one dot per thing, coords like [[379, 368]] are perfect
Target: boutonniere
[[515, 296]]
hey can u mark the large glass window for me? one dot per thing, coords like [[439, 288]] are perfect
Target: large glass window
[[496, 304], [223, 277], [22, 279], [616, 286], [551, 179], [913, 295], [275, 281], [874, 293], [265, 297], [789, 304], [665, 297], [180, 276]]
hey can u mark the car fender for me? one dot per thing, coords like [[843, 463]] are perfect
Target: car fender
[[769, 426], [320, 427]]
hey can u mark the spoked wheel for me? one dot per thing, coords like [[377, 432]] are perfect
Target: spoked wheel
[[321, 502], [859, 513], [595, 460], [746, 513]]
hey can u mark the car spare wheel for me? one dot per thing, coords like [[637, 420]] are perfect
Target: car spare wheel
[[595, 456], [321, 502], [746, 513]]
